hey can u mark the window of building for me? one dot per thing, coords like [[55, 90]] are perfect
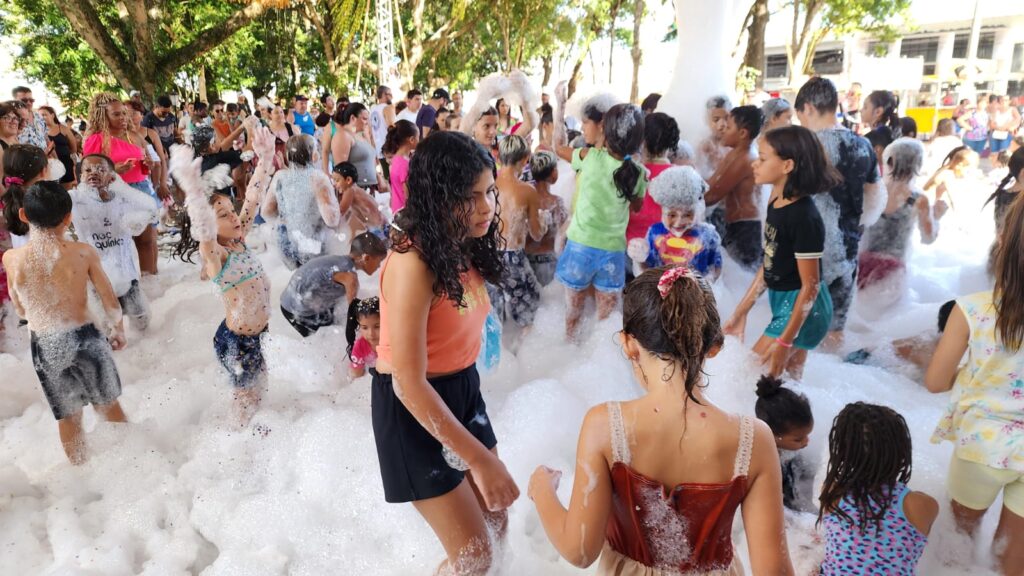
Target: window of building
[[776, 66], [1017, 64], [986, 45], [926, 47], [828, 61]]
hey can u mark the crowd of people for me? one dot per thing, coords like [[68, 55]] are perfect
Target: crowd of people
[[454, 210]]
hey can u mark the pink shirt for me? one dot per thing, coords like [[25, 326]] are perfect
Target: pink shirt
[[399, 175], [363, 355], [650, 212], [119, 152]]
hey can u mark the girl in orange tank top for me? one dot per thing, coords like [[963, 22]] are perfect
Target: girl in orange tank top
[[435, 443], [659, 479]]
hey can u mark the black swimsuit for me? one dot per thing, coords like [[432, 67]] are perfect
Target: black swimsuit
[[62, 146]]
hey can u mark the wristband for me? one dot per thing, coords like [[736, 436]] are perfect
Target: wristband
[[783, 344]]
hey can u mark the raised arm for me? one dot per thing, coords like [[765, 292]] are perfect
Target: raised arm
[[559, 137], [263, 146], [578, 532], [188, 172]]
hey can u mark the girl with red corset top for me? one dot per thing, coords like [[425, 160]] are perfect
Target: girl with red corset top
[[658, 479]]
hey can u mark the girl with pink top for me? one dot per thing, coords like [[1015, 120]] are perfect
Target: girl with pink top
[[400, 142]]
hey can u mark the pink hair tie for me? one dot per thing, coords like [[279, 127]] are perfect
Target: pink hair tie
[[669, 277], [8, 180]]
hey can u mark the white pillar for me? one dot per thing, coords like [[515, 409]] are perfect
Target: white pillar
[[703, 69], [944, 59], [1002, 54]]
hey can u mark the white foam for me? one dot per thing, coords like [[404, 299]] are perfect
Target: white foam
[[180, 491]]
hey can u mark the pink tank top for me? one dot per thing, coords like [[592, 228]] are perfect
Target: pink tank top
[[119, 152]]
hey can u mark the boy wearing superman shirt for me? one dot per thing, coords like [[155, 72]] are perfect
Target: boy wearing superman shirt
[[682, 236]]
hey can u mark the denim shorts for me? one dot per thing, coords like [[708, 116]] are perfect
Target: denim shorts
[[146, 186], [816, 324], [580, 267]]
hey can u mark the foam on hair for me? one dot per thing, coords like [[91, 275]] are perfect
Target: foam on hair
[[904, 158], [678, 187]]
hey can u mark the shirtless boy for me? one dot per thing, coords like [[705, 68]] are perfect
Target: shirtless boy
[[49, 280], [520, 213], [733, 183]]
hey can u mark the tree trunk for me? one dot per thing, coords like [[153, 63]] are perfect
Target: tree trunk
[[638, 17], [546, 62], [576, 71], [136, 65], [611, 45], [797, 53], [754, 55], [202, 84]]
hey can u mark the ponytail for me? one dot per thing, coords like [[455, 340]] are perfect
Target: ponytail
[[23, 164], [626, 178], [890, 105], [398, 133], [1015, 167], [351, 324], [624, 133]]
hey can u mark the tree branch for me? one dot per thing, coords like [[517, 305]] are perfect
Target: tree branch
[[87, 23], [142, 39], [210, 38]]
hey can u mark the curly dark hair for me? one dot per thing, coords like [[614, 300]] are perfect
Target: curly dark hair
[[187, 246], [869, 452], [434, 222]]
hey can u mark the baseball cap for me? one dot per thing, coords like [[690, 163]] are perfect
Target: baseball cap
[[300, 97], [441, 93]]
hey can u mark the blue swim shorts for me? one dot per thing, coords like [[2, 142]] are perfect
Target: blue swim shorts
[[581, 266], [816, 324]]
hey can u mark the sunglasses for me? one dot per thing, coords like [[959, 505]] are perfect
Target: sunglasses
[[27, 100]]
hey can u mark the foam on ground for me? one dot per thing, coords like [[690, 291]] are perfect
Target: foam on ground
[[179, 491]]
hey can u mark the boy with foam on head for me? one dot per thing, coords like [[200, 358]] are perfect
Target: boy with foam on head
[[106, 214], [682, 237], [49, 279], [319, 286]]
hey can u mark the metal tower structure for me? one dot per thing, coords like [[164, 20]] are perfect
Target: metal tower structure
[[385, 41]]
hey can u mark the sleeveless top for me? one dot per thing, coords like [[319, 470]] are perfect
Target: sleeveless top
[[453, 333], [985, 416], [891, 234], [305, 123], [120, 151], [378, 127], [894, 550], [239, 268], [295, 189], [686, 528], [362, 156], [62, 146]]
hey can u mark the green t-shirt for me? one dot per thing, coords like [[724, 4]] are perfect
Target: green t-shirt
[[600, 214]]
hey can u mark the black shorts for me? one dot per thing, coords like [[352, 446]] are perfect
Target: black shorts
[[841, 289], [412, 462], [744, 243], [75, 368], [305, 325]]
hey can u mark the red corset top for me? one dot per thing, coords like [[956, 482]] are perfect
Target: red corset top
[[685, 529]]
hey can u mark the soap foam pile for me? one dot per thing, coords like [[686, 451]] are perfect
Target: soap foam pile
[[180, 491]]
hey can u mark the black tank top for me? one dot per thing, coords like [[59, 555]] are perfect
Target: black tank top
[[62, 146]]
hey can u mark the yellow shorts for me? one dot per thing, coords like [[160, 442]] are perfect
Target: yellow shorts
[[976, 486]]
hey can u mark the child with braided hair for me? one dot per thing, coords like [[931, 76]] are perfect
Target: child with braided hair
[[658, 495], [212, 228], [874, 523]]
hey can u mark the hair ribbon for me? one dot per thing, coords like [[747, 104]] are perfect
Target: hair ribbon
[[8, 180], [670, 276], [627, 158]]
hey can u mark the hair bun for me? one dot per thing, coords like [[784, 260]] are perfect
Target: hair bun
[[768, 386]]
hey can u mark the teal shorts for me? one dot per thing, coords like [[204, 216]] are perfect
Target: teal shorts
[[816, 324]]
